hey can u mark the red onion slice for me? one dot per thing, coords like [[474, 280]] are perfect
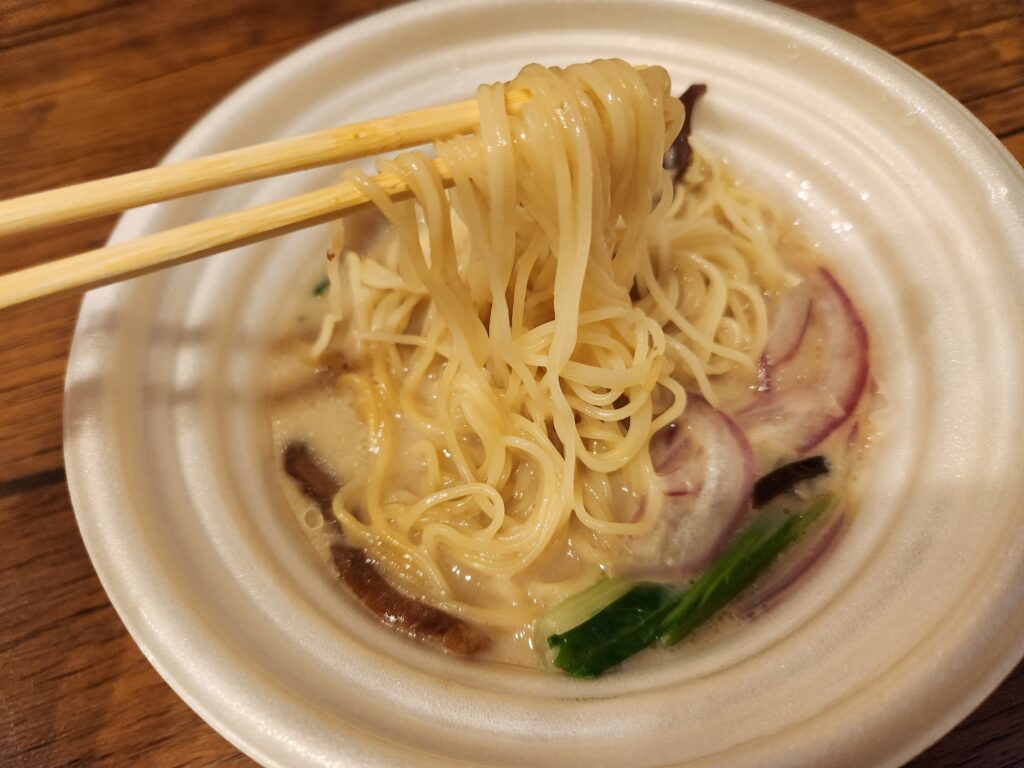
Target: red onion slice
[[793, 416], [793, 566], [787, 329], [706, 471]]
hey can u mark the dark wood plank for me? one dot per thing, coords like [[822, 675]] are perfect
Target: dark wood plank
[[34, 345], [992, 737], [1000, 111], [1015, 143], [89, 88], [900, 26], [74, 688], [977, 62]]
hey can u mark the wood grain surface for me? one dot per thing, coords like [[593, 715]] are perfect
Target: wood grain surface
[[89, 88]]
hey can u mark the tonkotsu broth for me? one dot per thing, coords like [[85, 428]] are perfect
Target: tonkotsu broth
[[560, 362], [306, 404]]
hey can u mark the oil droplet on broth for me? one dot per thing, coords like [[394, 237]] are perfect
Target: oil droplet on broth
[[312, 519]]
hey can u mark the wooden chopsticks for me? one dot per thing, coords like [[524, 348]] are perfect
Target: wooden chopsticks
[[153, 185], [96, 198], [102, 266]]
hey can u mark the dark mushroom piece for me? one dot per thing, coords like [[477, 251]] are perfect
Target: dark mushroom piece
[[361, 576]]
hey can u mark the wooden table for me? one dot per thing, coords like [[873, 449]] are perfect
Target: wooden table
[[90, 88]]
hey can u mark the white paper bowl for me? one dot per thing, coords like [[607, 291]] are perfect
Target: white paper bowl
[[912, 622]]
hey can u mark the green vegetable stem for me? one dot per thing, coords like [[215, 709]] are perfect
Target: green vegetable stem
[[650, 612]]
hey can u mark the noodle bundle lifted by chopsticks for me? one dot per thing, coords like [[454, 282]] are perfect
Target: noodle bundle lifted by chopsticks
[[515, 341]]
